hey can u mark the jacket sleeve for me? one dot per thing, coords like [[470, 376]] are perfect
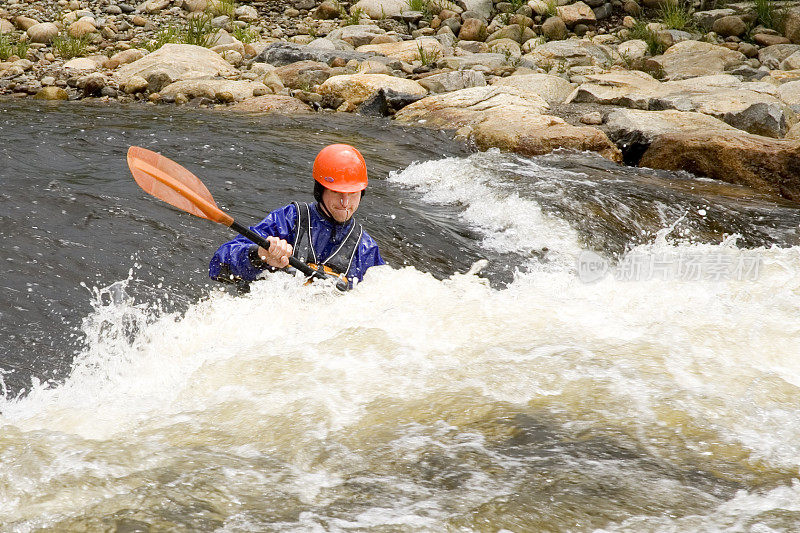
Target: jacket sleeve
[[232, 261], [367, 256]]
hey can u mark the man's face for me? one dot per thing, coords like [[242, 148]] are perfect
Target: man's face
[[341, 205]]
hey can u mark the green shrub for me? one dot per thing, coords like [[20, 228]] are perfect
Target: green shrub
[[769, 15], [170, 34], [68, 47], [642, 32], [199, 31], [676, 15], [426, 57], [246, 34], [226, 7], [354, 17]]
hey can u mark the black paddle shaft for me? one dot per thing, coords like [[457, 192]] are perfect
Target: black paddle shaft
[[293, 261]]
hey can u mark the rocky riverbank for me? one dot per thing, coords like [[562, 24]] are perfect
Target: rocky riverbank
[[712, 89]]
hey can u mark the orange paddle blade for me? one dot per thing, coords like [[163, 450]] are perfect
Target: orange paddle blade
[[168, 181]]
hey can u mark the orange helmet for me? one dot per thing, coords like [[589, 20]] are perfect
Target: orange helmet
[[340, 168]]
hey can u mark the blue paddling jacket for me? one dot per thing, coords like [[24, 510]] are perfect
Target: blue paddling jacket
[[346, 248]]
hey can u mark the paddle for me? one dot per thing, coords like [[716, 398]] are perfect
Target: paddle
[[168, 181]]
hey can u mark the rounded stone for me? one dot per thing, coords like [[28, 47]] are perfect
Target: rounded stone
[[135, 84], [554, 29], [52, 93], [473, 30], [81, 28], [42, 33], [730, 26]]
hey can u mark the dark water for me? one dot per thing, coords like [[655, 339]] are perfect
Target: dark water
[[72, 216]]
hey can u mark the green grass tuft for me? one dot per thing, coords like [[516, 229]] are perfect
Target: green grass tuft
[[354, 17], [68, 47], [769, 15], [246, 34], [170, 34], [642, 32], [677, 16], [199, 31], [226, 7], [425, 57]]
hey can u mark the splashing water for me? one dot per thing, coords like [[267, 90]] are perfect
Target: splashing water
[[417, 403]]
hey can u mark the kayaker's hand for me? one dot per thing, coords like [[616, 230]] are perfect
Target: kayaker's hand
[[278, 254]]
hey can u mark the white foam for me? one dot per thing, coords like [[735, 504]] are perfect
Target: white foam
[[293, 372]]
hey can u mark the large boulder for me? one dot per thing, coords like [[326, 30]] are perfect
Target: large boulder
[[772, 56], [356, 88], [629, 88], [303, 74], [752, 107], [768, 165], [468, 106], [282, 53], [689, 59], [407, 51], [213, 89], [571, 53], [381, 9], [532, 135], [271, 104], [751, 111], [506, 118], [357, 34], [453, 81], [553, 89], [480, 61], [634, 130], [791, 24], [179, 61]]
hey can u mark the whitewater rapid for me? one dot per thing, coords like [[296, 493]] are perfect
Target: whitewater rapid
[[426, 404]]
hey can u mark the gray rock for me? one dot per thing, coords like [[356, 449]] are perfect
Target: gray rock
[[705, 19], [453, 81], [729, 26], [281, 53], [633, 130], [554, 29], [484, 7], [603, 11], [386, 102], [553, 89], [157, 80], [488, 61], [772, 56], [572, 53]]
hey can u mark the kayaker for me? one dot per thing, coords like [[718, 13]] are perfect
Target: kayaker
[[322, 233]]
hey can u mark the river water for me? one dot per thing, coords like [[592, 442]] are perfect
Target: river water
[[622, 357]]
